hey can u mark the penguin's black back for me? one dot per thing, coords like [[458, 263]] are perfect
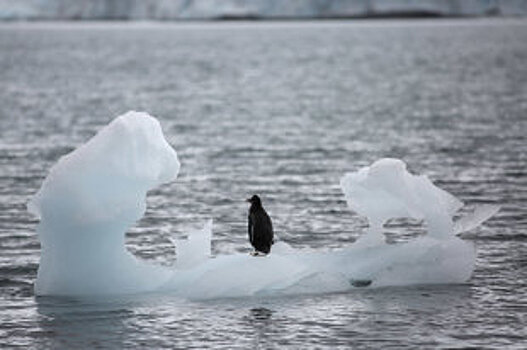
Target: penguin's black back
[[260, 227]]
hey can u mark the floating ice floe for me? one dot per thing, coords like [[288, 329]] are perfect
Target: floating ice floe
[[95, 193]]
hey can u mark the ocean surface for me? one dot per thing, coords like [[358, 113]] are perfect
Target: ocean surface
[[282, 109]]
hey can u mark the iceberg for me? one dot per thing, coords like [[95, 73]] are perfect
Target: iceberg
[[261, 9], [387, 190], [94, 194], [88, 201]]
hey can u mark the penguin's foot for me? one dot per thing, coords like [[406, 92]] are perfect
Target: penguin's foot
[[257, 253]]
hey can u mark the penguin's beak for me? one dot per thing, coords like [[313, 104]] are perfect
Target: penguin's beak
[[248, 200]]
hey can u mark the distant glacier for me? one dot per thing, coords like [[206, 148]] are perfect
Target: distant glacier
[[251, 9]]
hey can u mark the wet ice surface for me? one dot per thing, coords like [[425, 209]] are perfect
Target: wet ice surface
[[283, 110]]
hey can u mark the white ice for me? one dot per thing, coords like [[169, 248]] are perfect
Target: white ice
[[94, 194], [88, 201]]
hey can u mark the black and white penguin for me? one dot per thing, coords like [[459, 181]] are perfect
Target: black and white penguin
[[260, 227]]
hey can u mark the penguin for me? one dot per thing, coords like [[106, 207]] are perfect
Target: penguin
[[260, 227]]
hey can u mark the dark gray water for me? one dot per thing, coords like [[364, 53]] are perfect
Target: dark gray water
[[284, 110]]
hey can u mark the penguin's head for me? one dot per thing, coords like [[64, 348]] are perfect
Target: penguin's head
[[255, 200]]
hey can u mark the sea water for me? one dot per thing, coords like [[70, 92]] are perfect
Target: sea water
[[284, 116]]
